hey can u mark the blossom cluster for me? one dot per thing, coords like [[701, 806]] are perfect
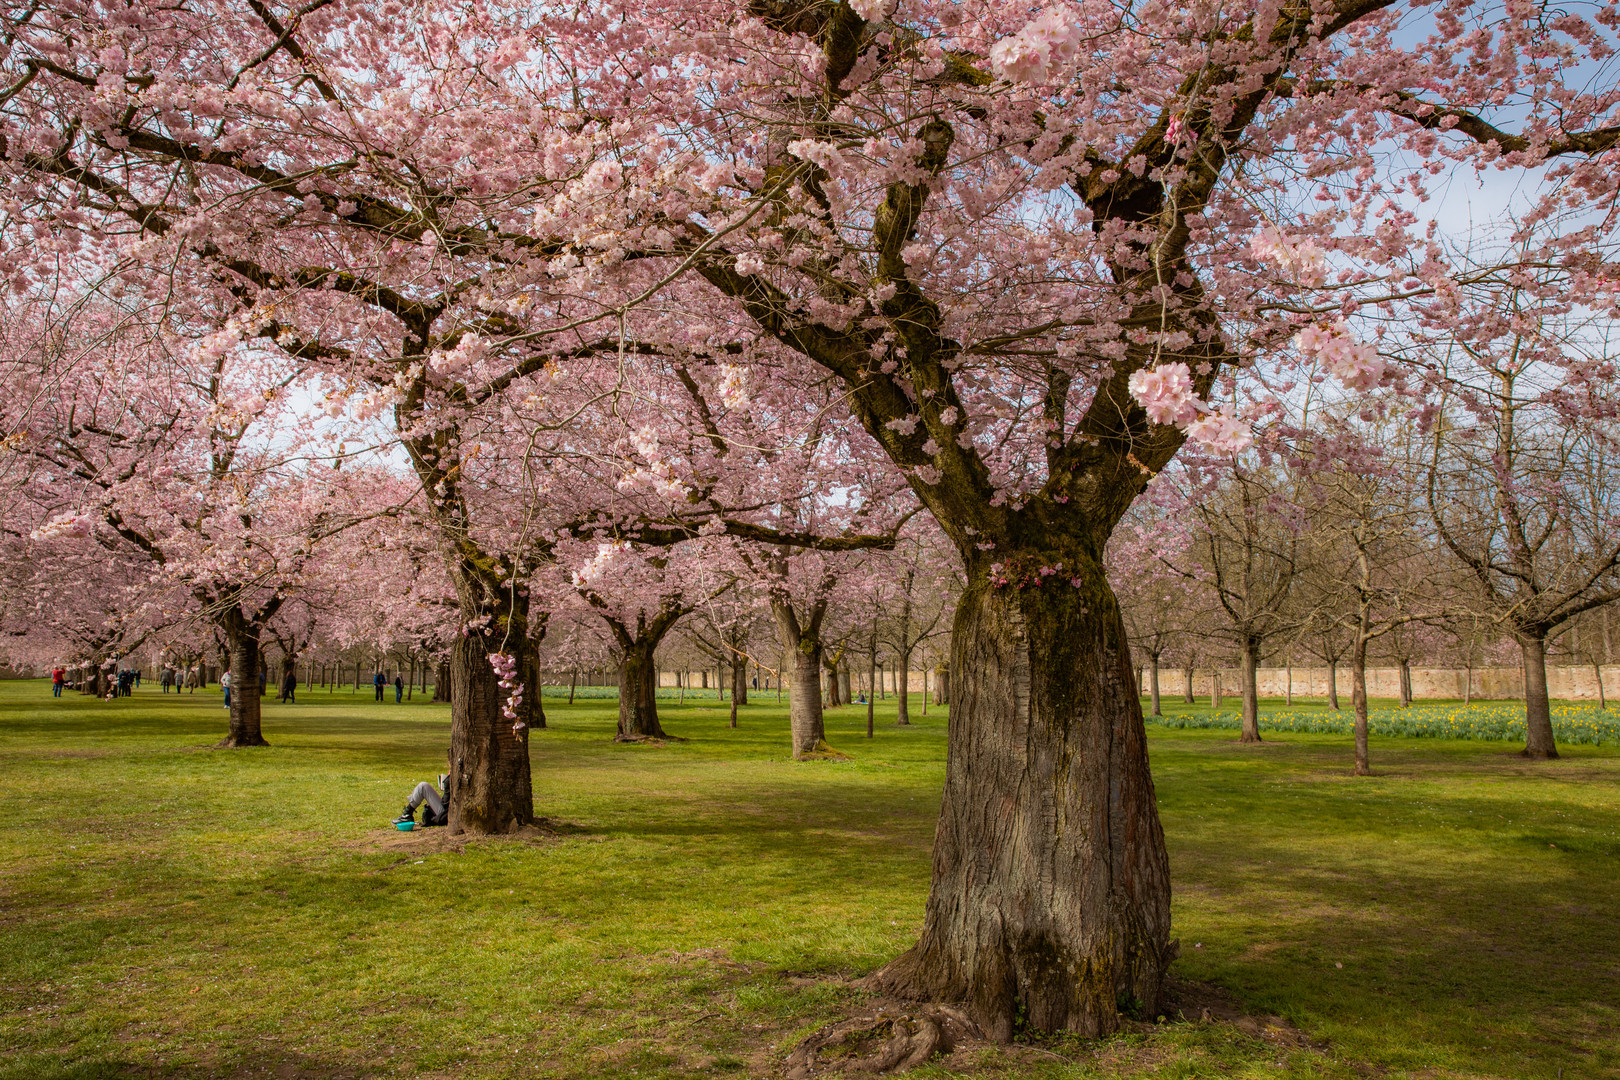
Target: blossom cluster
[[1046, 48], [1302, 258], [505, 665], [658, 475], [1166, 394], [1354, 363], [597, 565]]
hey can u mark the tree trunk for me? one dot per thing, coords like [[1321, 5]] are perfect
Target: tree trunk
[[872, 677], [902, 689], [1288, 689], [739, 683], [1215, 688], [832, 700], [1358, 700], [1468, 685], [1597, 676], [1333, 684], [1153, 681], [1186, 686], [1050, 898], [1538, 742], [441, 681], [490, 788], [925, 686], [638, 696], [1406, 683], [243, 641], [289, 666], [805, 722], [1251, 691], [534, 708]]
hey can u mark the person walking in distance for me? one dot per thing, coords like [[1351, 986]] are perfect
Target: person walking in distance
[[58, 677], [225, 685], [288, 685], [378, 681], [399, 688]]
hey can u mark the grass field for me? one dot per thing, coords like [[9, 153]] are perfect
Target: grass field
[[168, 909]]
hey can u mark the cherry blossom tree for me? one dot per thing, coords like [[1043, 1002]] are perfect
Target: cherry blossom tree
[[1522, 485], [1035, 251]]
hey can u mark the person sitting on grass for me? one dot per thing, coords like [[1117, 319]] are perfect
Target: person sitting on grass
[[437, 799]]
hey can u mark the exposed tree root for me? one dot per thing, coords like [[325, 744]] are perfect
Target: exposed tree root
[[885, 1043], [231, 742], [651, 740]]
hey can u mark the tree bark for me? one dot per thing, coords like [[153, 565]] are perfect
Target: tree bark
[[441, 681], [1358, 700], [1333, 684], [242, 639], [872, 677], [902, 690], [1251, 691], [739, 681], [1186, 686], [490, 788], [1406, 683], [638, 696], [1468, 685], [1215, 688], [1153, 681], [1051, 890], [805, 721], [1539, 741], [833, 698]]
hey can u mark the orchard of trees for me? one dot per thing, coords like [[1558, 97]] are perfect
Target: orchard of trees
[[1023, 346]]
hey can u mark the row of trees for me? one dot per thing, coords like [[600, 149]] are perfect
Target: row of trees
[[1485, 528], [653, 308]]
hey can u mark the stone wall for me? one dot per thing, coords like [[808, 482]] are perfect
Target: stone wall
[[1563, 683]]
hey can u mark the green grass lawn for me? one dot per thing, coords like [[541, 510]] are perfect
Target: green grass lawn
[[168, 909]]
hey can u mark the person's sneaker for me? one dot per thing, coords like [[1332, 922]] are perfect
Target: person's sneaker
[[408, 815]]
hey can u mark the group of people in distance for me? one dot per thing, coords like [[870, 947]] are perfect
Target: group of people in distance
[[437, 799], [120, 683], [189, 678], [379, 681]]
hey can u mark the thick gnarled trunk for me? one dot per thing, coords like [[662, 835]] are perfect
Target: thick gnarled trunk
[[243, 643], [1051, 886], [638, 693], [490, 788], [806, 725]]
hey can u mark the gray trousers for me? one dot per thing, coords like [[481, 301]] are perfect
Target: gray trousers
[[426, 792]]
